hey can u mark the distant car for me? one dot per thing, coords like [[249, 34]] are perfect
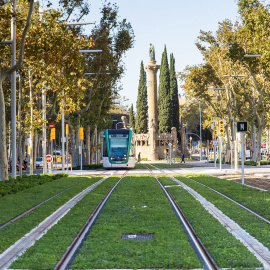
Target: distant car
[[39, 162]]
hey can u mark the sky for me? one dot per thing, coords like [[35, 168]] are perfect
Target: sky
[[174, 23]]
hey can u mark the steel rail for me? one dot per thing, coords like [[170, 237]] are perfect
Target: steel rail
[[206, 258], [71, 251], [26, 212], [256, 247], [236, 202], [28, 240], [232, 200]]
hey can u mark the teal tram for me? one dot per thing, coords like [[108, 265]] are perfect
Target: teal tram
[[118, 149]]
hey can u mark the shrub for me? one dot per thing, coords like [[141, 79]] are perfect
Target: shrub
[[13, 185], [88, 167]]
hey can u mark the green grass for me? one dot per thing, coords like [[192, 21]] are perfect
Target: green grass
[[226, 250], [253, 225], [14, 185], [22, 200], [257, 200], [89, 167], [173, 165], [49, 249], [14, 204], [137, 205], [140, 166]]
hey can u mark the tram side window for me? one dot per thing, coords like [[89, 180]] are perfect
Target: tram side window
[[105, 150]]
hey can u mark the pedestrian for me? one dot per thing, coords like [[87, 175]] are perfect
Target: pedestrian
[[183, 158], [139, 157]]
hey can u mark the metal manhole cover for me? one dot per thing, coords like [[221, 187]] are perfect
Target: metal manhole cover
[[137, 236]]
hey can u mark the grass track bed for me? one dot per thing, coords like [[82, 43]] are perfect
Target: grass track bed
[[138, 205], [49, 249], [257, 200], [253, 225], [227, 251], [172, 166], [27, 198]]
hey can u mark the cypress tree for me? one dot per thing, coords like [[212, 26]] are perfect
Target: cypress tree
[[132, 118], [174, 108], [141, 120], [164, 96]]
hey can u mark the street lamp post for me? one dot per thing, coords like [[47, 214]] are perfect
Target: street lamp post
[[200, 127]]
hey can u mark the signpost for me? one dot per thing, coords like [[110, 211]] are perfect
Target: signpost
[[170, 145], [242, 126], [215, 158], [80, 147], [49, 160]]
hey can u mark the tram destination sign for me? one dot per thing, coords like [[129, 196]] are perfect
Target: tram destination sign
[[118, 136], [242, 126]]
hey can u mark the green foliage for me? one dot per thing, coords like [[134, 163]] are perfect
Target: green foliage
[[13, 186], [89, 167], [164, 96], [263, 162], [250, 163], [174, 103], [141, 120], [132, 118]]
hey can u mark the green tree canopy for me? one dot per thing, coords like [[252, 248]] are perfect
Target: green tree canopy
[[141, 121], [164, 123]]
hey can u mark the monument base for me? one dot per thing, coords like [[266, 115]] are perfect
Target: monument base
[[153, 156]]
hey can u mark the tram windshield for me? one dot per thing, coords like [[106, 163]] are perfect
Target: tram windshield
[[118, 147]]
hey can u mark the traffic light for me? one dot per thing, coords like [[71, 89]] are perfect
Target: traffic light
[[216, 129], [221, 127], [52, 137], [81, 133]]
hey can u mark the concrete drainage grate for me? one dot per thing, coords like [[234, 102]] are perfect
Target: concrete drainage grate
[[137, 236]]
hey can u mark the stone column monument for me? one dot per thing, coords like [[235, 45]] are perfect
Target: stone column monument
[[152, 70]]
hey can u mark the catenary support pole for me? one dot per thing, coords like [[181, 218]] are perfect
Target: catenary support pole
[[13, 90], [44, 131], [242, 156], [63, 134]]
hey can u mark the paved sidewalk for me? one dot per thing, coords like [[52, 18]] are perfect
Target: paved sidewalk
[[200, 167]]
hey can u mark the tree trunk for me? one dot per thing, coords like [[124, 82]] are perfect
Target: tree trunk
[[259, 140], [20, 157], [3, 150]]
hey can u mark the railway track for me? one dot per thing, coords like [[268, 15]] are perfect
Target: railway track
[[28, 211], [202, 252], [204, 256], [71, 251], [225, 196], [11, 254], [260, 251]]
